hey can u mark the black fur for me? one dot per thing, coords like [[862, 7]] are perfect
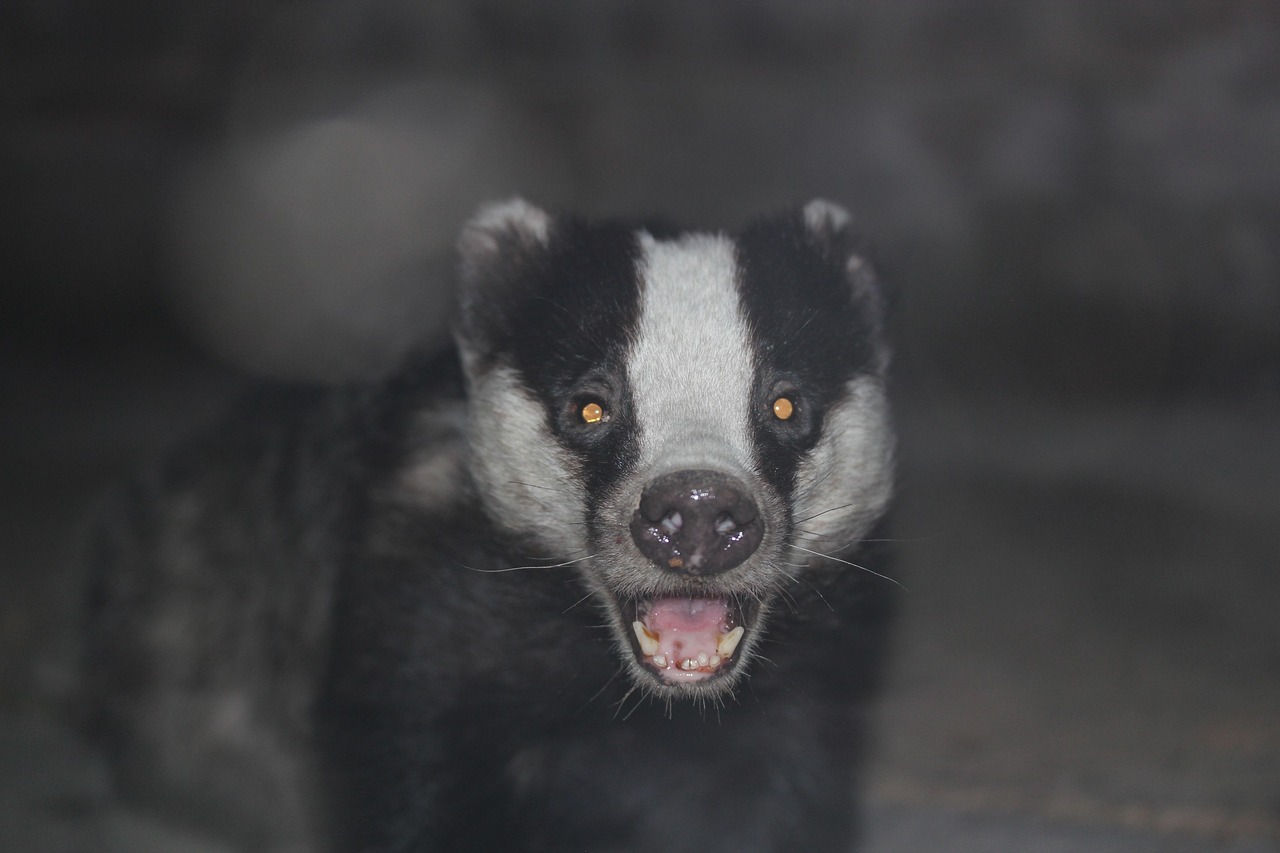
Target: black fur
[[565, 323], [830, 340], [444, 702], [528, 740]]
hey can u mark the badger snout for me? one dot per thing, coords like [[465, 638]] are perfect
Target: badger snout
[[696, 522]]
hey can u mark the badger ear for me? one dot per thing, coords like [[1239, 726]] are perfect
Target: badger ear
[[496, 249], [830, 227], [499, 233], [825, 219]]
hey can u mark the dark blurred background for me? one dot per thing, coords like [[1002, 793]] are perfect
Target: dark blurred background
[[1079, 202]]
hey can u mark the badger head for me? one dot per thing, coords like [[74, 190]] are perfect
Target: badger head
[[690, 420]]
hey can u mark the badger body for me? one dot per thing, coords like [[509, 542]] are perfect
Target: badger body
[[612, 577]]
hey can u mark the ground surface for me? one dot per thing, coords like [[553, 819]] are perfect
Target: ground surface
[[1089, 657]]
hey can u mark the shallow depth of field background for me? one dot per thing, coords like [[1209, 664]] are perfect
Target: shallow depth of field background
[[1078, 202]]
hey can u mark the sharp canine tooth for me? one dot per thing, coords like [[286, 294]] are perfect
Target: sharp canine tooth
[[728, 642], [648, 642]]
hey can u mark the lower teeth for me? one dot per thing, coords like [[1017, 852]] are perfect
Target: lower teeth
[[726, 645]]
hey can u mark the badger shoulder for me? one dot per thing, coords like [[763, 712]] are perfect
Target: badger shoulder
[[211, 586]]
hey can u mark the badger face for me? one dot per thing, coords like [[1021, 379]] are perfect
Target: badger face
[[690, 420]]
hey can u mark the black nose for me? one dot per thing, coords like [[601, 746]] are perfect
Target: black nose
[[696, 523]]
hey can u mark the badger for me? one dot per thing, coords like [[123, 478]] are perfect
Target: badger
[[609, 575]]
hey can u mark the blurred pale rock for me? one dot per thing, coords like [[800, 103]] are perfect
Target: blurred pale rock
[[323, 247]]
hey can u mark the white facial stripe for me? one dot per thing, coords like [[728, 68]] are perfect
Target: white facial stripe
[[527, 478], [845, 483], [691, 367]]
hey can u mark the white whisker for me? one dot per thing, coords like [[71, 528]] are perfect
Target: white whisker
[[812, 534], [809, 518], [533, 485], [579, 601], [603, 688], [526, 568], [847, 563]]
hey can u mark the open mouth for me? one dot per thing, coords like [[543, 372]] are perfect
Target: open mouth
[[683, 639]]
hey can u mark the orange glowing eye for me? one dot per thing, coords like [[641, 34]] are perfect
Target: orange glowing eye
[[592, 413], [783, 409]]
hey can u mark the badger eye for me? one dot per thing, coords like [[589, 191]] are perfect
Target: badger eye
[[592, 413], [783, 408]]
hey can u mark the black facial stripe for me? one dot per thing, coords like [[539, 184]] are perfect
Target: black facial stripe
[[571, 322], [808, 330]]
